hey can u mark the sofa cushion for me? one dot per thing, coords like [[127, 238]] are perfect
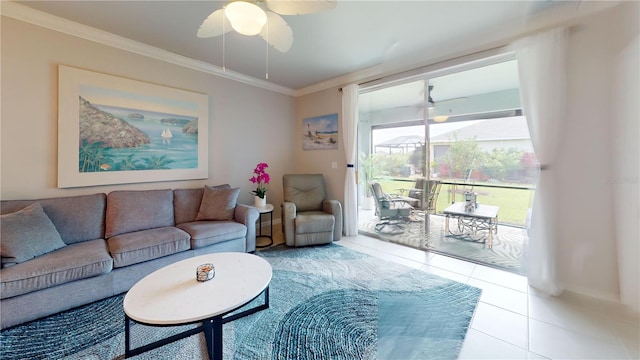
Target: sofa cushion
[[140, 246], [73, 262], [129, 211], [77, 218], [218, 204], [26, 234], [186, 203], [205, 233]]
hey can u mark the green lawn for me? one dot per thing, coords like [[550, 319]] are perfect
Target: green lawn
[[514, 203]]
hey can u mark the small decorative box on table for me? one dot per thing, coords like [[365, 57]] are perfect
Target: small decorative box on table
[[205, 272]]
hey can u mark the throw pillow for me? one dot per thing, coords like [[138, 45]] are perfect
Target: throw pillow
[[26, 234], [218, 203]]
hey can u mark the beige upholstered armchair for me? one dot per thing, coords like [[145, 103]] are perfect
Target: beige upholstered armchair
[[308, 217]]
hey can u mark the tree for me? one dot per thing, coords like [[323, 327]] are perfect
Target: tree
[[464, 157], [92, 157], [157, 162], [392, 164], [500, 163], [129, 163], [416, 158]]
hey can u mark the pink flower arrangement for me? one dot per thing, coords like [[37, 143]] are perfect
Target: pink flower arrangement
[[261, 178]]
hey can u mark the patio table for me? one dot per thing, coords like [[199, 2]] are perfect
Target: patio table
[[484, 217]]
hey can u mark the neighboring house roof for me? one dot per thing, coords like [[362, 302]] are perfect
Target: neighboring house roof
[[511, 128], [403, 141]]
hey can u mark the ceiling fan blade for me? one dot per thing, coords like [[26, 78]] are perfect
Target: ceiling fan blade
[[440, 101], [299, 7], [277, 32], [452, 100], [215, 24]]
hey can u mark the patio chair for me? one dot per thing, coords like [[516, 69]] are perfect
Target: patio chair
[[426, 203], [391, 211]]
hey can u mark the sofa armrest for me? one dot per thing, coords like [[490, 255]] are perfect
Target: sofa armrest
[[248, 216], [335, 208], [288, 217]]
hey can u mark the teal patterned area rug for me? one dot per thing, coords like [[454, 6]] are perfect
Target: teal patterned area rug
[[326, 302]]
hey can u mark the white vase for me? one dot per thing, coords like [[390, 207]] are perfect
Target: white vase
[[368, 203], [260, 202]]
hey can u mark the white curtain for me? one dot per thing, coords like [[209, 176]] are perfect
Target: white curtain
[[349, 136], [542, 72]]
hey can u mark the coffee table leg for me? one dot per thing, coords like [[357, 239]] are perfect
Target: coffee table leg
[[207, 327], [127, 342], [213, 334]]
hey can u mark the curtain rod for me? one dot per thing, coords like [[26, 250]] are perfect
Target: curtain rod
[[364, 83], [497, 50]]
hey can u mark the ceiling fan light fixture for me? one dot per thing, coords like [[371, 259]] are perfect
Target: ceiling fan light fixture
[[245, 17]]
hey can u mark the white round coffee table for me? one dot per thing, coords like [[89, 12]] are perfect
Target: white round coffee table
[[173, 296]]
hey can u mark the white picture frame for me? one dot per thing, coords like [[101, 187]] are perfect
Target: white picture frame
[[320, 132], [112, 148]]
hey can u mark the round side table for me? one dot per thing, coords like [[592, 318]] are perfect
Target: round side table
[[267, 209]]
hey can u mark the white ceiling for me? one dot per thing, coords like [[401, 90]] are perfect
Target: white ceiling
[[355, 37]]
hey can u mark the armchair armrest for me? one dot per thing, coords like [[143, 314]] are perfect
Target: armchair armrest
[[248, 216], [288, 214], [335, 208]]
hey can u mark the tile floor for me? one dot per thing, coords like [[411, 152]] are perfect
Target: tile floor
[[513, 321]]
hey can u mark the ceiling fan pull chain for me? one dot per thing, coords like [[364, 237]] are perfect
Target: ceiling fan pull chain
[[224, 68]]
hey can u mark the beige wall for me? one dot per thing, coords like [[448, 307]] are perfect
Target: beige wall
[[320, 161], [247, 125]]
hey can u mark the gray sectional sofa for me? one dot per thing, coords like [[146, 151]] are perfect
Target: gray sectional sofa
[[60, 253]]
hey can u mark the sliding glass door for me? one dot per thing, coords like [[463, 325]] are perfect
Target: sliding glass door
[[428, 139]]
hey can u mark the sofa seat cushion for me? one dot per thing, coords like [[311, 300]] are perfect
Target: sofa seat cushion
[[205, 233], [73, 262], [314, 222], [141, 246]]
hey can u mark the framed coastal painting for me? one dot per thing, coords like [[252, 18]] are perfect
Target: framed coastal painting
[[113, 130], [320, 132]]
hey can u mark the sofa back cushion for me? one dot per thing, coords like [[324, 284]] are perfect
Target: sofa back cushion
[[129, 211], [186, 203], [77, 218]]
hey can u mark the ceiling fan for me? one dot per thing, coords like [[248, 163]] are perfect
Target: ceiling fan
[[434, 112], [433, 103], [249, 18]]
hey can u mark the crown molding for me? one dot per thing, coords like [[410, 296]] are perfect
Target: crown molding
[[39, 18]]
